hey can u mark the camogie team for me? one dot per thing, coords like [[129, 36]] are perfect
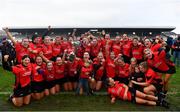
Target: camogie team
[[131, 69]]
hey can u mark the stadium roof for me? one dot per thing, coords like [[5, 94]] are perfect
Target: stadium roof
[[124, 29]]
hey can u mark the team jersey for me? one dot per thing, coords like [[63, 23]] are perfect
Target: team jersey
[[126, 48], [155, 47], [110, 68], [98, 68], [35, 47], [81, 49], [59, 71], [47, 51], [94, 50], [38, 72], [122, 71], [49, 75], [158, 61], [118, 90], [116, 48], [56, 49], [73, 67], [22, 74], [152, 77], [86, 70], [21, 51], [137, 52]]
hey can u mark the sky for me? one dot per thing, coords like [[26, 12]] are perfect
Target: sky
[[90, 13]]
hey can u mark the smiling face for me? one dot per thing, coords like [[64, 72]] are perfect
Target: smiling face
[[100, 56], [49, 66], [25, 42], [58, 40], [111, 82], [125, 37], [147, 43], [25, 61], [148, 53], [47, 40], [86, 56], [112, 55], [59, 60], [39, 60], [135, 41]]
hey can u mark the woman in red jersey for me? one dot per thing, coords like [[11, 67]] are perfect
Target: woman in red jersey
[[122, 70], [158, 62], [60, 73], [37, 84], [85, 75], [153, 83], [121, 91], [22, 89], [98, 71], [22, 48], [73, 66], [50, 81], [57, 48], [47, 49]]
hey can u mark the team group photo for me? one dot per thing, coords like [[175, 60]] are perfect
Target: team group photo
[[103, 66]]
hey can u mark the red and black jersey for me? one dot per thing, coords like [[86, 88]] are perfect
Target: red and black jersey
[[49, 75], [56, 49], [155, 47], [73, 67], [86, 69], [116, 48], [98, 68], [152, 77], [158, 61], [23, 75], [59, 71], [126, 48], [110, 68], [47, 51], [95, 49], [38, 72], [122, 71], [106, 45], [35, 47], [81, 49], [21, 51], [137, 52], [118, 90], [66, 45]]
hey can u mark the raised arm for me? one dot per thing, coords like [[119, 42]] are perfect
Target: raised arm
[[9, 35], [46, 32], [141, 83]]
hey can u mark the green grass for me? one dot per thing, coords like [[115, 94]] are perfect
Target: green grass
[[71, 102]]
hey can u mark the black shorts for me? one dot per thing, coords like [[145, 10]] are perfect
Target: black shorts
[[22, 91], [133, 94], [50, 84], [172, 70], [158, 87], [37, 87], [61, 81], [126, 59], [73, 79], [122, 80], [138, 87]]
